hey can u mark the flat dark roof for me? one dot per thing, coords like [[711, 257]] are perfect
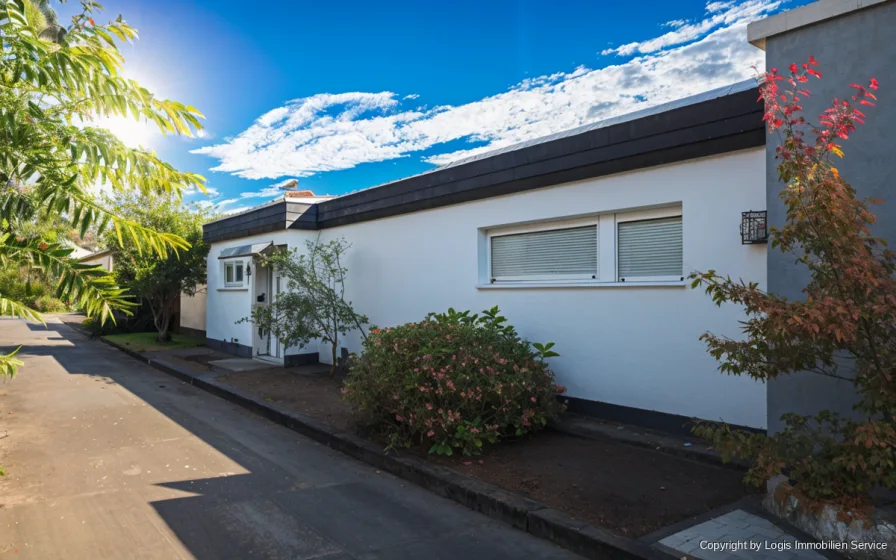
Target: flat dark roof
[[716, 122]]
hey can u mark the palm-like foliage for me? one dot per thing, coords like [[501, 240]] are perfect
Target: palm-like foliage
[[52, 86], [42, 19]]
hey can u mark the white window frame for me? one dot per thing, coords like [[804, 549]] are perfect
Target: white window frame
[[233, 264], [532, 228], [607, 274], [640, 216]]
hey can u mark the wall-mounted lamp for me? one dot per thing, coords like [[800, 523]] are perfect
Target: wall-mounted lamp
[[754, 227], [248, 270]]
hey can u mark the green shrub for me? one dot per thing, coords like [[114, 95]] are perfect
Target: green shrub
[[452, 381], [49, 304], [20, 284]]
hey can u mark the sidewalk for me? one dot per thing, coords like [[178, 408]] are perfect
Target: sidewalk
[[739, 531]]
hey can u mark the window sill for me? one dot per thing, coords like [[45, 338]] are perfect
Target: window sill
[[233, 289], [542, 285]]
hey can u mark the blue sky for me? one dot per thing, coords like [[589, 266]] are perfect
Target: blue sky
[[347, 95]]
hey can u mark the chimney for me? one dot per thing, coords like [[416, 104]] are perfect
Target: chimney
[[299, 194]]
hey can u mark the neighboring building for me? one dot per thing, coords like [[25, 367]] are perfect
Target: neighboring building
[[78, 252], [100, 258], [586, 238], [853, 42], [192, 312]]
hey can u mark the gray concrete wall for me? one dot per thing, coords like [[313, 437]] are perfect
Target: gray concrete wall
[[850, 49]]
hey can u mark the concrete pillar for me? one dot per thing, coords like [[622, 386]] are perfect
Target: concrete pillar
[[853, 41]]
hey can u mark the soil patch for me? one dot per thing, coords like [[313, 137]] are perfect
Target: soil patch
[[629, 490], [626, 489], [304, 389]]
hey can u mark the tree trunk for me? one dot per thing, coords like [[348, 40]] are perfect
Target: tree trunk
[[161, 308], [162, 327], [334, 348], [335, 342]]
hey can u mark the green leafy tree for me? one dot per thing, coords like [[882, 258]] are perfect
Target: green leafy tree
[[41, 17], [314, 306], [52, 87], [157, 279]]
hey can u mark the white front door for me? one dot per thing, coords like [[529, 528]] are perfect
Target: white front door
[[274, 348], [261, 297]]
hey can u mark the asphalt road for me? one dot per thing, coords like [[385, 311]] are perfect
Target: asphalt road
[[108, 458]]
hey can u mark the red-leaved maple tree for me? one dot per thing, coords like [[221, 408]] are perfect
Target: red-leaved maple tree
[[844, 327]]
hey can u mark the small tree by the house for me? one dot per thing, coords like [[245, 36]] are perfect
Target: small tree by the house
[[846, 325], [159, 280], [313, 306]]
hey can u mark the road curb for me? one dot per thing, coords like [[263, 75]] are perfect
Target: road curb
[[512, 509], [128, 351]]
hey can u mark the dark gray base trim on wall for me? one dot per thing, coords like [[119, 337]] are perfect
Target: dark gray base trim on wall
[[229, 347], [301, 359], [650, 419], [191, 332]]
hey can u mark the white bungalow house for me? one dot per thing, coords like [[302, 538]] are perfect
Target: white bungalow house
[[583, 238], [586, 238]]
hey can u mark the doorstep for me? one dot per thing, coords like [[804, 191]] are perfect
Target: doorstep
[[268, 360]]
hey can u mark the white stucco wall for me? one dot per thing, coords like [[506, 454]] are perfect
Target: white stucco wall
[[629, 345], [225, 306], [193, 309], [104, 260]]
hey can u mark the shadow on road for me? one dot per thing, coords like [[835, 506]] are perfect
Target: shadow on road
[[296, 499]]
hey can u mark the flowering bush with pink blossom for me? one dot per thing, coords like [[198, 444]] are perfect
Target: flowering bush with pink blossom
[[453, 382]]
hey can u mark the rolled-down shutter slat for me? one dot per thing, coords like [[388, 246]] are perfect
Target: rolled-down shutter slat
[[559, 252], [650, 248]]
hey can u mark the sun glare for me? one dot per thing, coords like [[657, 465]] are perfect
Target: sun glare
[[133, 133]]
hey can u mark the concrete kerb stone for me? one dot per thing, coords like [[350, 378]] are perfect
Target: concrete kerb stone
[[587, 540], [128, 351], [507, 507]]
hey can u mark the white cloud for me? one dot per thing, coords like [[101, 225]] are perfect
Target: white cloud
[[327, 132], [267, 192], [720, 14], [411, 96], [674, 23], [210, 192], [222, 207], [234, 210], [714, 7]]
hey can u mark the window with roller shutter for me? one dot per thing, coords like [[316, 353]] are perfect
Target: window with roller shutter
[[649, 250], [556, 254]]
